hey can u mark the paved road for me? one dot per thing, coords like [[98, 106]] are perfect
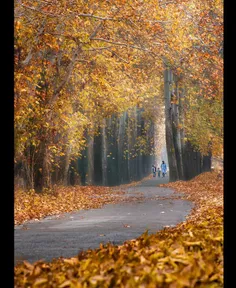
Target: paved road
[[54, 237]]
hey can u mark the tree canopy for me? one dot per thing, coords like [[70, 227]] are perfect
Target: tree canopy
[[79, 61]]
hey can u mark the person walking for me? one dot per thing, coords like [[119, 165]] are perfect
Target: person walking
[[159, 172], [154, 171], [163, 168]]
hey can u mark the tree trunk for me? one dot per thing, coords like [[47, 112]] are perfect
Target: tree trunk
[[181, 130], [104, 154], [134, 157], [178, 135], [66, 178], [121, 134], [90, 173], [46, 174], [173, 171], [129, 147]]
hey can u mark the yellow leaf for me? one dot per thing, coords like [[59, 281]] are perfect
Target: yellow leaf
[[64, 284], [40, 281]]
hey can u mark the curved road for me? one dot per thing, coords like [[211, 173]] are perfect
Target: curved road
[[53, 237]]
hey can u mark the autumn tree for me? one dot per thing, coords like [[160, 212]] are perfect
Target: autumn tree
[[77, 61]]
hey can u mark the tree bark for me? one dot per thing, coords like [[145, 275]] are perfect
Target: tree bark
[[66, 179], [104, 154], [46, 174], [90, 173], [121, 133], [178, 135], [173, 170], [181, 130]]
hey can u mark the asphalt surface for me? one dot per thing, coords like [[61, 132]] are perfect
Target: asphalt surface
[[54, 237]]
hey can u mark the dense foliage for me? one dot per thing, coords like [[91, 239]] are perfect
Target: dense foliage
[[77, 61]]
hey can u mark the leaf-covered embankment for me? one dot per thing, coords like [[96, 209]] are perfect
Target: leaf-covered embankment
[[32, 205], [189, 255]]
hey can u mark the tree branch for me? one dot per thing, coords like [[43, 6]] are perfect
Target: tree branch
[[119, 57], [98, 48], [30, 54], [120, 44], [96, 30], [66, 78], [93, 16]]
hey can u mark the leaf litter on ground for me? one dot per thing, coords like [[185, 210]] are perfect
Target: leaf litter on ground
[[29, 205], [188, 255]]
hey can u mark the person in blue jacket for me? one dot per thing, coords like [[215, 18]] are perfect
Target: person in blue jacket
[[163, 168]]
